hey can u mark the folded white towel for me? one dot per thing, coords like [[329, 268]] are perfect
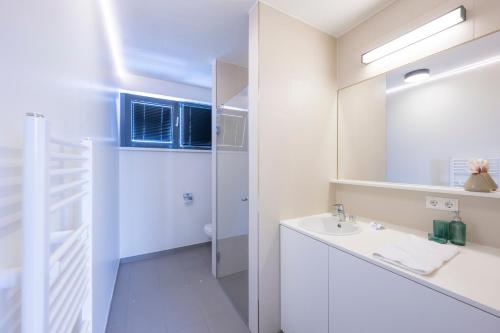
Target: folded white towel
[[417, 254]]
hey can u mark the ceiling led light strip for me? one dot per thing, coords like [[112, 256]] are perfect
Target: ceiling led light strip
[[111, 30], [442, 23]]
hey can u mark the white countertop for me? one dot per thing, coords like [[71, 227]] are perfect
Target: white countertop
[[473, 276]]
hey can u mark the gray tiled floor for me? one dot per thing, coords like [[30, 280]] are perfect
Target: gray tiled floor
[[175, 293]]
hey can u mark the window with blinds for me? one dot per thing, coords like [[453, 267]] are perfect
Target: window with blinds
[[194, 131], [151, 123], [161, 123]]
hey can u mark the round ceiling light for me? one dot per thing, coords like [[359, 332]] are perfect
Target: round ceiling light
[[417, 75]]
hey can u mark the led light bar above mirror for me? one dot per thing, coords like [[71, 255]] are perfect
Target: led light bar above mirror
[[442, 23]]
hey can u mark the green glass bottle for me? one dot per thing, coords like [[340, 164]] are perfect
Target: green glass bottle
[[457, 231]]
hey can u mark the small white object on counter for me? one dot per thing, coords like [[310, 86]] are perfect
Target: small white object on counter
[[416, 254], [376, 226]]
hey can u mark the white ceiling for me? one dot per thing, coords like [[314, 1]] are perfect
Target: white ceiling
[[177, 40], [334, 17]]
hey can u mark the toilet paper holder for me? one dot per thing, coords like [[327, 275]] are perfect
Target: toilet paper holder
[[188, 197]]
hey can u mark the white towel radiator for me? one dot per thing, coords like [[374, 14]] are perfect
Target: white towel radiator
[[10, 224], [57, 232]]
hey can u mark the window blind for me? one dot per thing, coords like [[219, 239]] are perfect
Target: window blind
[[163, 123], [196, 126], [151, 123]]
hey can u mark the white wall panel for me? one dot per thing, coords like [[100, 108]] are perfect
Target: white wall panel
[[55, 62], [153, 215]]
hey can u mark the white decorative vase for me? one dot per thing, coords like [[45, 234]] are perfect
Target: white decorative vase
[[480, 182]]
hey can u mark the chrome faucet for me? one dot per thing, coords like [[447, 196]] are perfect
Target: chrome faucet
[[340, 212]]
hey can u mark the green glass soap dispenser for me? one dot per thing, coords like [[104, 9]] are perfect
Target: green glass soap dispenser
[[457, 231]]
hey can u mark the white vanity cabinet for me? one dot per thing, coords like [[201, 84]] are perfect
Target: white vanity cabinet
[[304, 283], [324, 289], [367, 298]]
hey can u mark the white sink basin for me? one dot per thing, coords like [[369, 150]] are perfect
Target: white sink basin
[[330, 226]]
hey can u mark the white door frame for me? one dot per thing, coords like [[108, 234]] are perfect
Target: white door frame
[[214, 168], [253, 170]]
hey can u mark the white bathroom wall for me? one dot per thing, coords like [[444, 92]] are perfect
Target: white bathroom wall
[[55, 62], [153, 215], [455, 117], [105, 228]]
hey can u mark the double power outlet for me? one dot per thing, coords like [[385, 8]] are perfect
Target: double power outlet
[[441, 203]]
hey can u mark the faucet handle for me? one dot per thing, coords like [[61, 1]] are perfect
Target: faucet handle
[[339, 212], [339, 207]]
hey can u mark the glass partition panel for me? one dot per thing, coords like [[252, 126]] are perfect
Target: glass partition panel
[[232, 200]]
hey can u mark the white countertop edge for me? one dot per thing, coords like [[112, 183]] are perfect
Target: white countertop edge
[[290, 223]]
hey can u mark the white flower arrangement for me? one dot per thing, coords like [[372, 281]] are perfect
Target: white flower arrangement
[[479, 166]]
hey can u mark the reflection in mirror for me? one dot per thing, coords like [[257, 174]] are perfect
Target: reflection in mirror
[[422, 123]]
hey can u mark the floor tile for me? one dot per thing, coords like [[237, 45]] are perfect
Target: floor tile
[[119, 307], [226, 323], [174, 293], [197, 328], [184, 317]]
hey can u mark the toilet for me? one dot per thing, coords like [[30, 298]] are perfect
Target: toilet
[[207, 228]]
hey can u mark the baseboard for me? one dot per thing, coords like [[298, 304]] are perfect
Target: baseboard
[[161, 253]]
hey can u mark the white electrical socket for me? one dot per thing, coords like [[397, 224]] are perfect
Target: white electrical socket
[[441, 203]]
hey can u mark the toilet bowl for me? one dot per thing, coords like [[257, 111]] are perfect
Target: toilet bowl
[[208, 229]]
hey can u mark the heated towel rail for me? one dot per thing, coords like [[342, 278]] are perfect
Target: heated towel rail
[[57, 232], [10, 224]]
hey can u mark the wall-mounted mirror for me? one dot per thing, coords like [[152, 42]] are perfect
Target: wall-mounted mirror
[[422, 123]]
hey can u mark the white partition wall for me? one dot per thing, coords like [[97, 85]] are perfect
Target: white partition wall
[[57, 232], [292, 117]]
